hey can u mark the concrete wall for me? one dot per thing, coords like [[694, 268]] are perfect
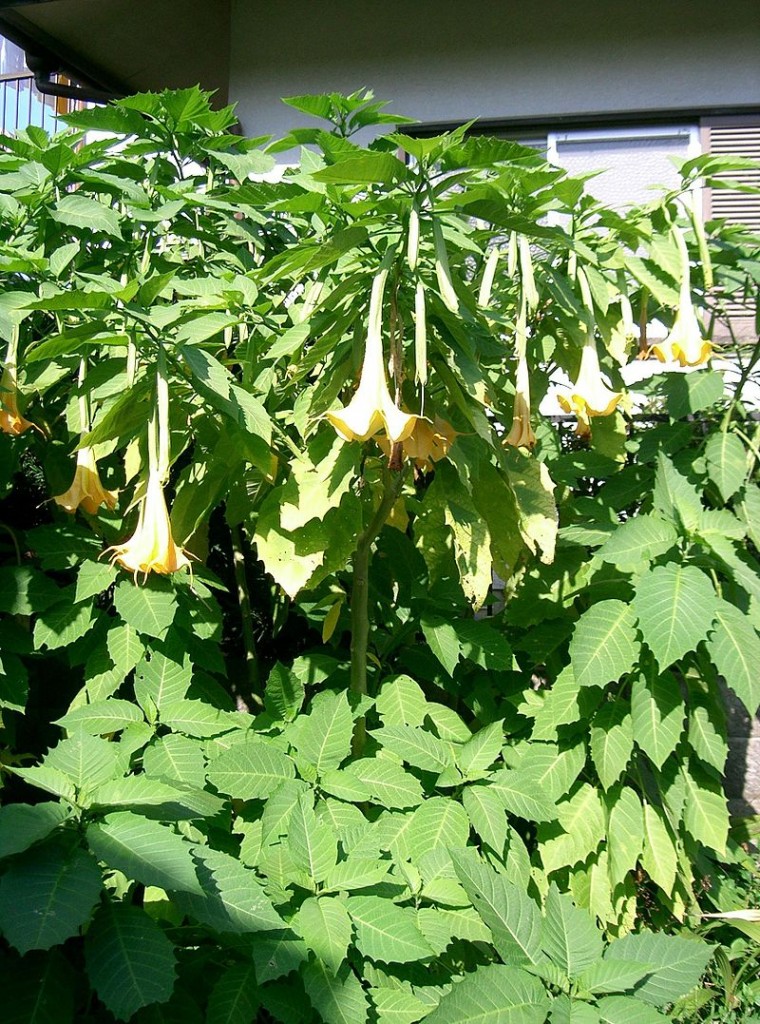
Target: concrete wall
[[139, 44], [443, 60]]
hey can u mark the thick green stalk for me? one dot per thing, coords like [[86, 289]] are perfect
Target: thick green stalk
[[392, 484], [249, 640]]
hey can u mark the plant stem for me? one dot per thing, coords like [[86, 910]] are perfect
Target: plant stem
[[244, 602], [392, 484]]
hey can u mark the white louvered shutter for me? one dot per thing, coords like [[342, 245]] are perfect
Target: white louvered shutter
[[735, 138]]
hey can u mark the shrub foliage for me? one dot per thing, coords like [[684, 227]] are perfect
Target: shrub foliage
[[284, 753]]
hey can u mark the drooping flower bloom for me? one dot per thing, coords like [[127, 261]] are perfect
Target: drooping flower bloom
[[372, 409], [151, 548], [589, 396], [521, 435], [427, 443], [86, 489], [11, 420], [685, 343]]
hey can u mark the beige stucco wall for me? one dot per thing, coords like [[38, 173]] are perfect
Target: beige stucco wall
[[441, 60]]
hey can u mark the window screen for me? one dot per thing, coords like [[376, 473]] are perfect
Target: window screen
[[631, 162]]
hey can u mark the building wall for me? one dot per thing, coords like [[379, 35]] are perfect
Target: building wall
[[444, 60]]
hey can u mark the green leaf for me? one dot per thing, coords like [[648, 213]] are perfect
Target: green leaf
[[479, 753], [87, 760], [396, 1006], [734, 647], [323, 736], [234, 999], [164, 679], [439, 821], [705, 812], [400, 701], [26, 592], [93, 578], [277, 953], [726, 462], [707, 731], [512, 916], [23, 825], [533, 489], [559, 706], [611, 741], [659, 857], [103, 716], [40, 989], [389, 783], [364, 169], [279, 807], [612, 976], [79, 211], [356, 873], [415, 746], [487, 815], [658, 713], [676, 964], [604, 645], [338, 1000], [250, 770], [318, 483], [443, 642], [569, 936], [48, 895], [150, 608], [553, 768], [440, 925], [61, 625], [675, 605], [692, 392], [638, 541], [517, 791], [674, 497], [199, 718], [50, 780], [583, 828], [493, 994], [385, 931], [312, 844], [176, 757], [145, 851], [325, 927], [284, 693], [483, 645], [234, 899], [624, 833], [572, 1011], [626, 1009], [130, 962], [155, 798], [124, 647], [218, 387]]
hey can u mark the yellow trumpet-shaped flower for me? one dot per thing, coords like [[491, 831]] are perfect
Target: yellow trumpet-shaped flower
[[11, 420], [589, 396], [427, 443], [372, 409], [685, 343], [86, 489], [521, 435], [151, 547]]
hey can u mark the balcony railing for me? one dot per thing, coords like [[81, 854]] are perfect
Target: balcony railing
[[21, 105]]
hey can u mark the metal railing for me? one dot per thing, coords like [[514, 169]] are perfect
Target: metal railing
[[21, 105]]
